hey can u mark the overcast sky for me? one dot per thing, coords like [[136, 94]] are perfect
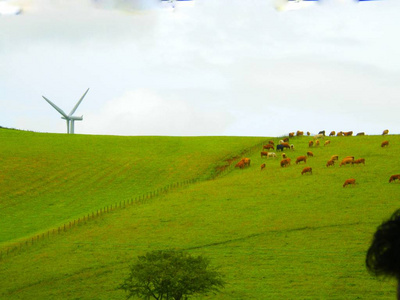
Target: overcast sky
[[219, 67]]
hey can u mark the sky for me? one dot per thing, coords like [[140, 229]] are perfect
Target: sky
[[215, 68]]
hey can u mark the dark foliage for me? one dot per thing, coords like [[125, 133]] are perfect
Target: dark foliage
[[383, 256]]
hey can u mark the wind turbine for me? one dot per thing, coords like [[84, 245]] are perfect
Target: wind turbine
[[69, 118]]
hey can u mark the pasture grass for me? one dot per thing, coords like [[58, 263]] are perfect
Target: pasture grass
[[275, 234]]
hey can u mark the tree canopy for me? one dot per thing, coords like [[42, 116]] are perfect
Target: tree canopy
[[171, 275]]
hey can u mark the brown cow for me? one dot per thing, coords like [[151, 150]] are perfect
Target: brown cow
[[317, 143], [268, 146], [284, 155], [291, 134], [262, 167], [335, 157], [285, 162], [308, 133], [285, 140], [348, 133], [330, 163], [264, 153], [332, 133], [310, 143], [385, 144], [246, 161], [386, 131], [271, 143], [301, 158], [306, 170], [352, 157], [346, 161], [361, 133], [240, 164], [349, 181], [394, 177], [299, 133], [340, 133], [327, 142], [309, 153], [359, 161], [285, 145]]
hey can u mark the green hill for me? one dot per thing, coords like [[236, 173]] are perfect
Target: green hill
[[275, 233]]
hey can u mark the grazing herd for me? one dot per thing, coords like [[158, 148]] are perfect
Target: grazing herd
[[286, 161]]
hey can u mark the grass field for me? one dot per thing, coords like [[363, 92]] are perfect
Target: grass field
[[275, 233]]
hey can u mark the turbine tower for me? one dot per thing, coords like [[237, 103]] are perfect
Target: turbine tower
[[69, 118]]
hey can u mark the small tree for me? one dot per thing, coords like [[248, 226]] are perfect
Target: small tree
[[171, 275]]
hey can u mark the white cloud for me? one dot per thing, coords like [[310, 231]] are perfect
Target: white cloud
[[143, 112]]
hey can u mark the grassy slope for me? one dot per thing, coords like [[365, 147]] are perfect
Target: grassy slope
[[49, 179], [276, 234]]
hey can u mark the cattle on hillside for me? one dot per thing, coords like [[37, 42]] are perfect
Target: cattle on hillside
[[340, 133], [268, 146], [346, 161], [306, 170], [385, 144], [310, 143], [332, 133], [386, 131], [348, 133], [330, 163], [285, 162], [349, 181], [262, 167], [335, 157], [360, 133], [327, 142], [299, 133], [394, 177], [301, 158], [309, 153], [279, 147], [322, 132], [359, 161]]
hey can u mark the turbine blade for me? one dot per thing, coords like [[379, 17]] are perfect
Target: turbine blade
[[56, 107], [79, 102]]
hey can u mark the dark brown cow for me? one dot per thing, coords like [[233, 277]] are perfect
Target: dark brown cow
[[332, 133], [301, 158], [385, 144], [346, 161], [309, 153], [264, 153], [348, 133], [386, 131], [330, 163], [240, 164], [291, 134], [361, 133], [349, 181], [310, 143], [271, 143], [285, 145], [262, 167], [285, 162], [285, 140], [268, 146], [359, 161], [394, 177], [306, 170], [284, 155]]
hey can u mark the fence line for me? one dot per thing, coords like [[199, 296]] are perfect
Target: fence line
[[17, 247]]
